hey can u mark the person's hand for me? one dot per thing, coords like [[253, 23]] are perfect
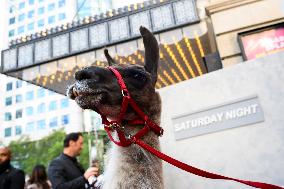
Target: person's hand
[[91, 171]]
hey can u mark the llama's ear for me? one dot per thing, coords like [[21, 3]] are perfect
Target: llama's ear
[[151, 53], [109, 58]]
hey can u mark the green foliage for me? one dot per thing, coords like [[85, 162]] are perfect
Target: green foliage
[[27, 154]]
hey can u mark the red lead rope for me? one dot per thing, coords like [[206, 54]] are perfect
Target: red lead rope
[[111, 126], [200, 172]]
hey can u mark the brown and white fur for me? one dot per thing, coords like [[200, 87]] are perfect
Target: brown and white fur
[[97, 88]]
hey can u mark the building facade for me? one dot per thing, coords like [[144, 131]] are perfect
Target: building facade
[[267, 15]]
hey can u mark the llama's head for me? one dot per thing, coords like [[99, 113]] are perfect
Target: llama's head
[[97, 88]]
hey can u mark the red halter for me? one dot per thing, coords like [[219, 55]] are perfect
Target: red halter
[[149, 125], [111, 126]]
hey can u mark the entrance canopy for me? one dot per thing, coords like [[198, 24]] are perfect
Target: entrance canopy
[[51, 57]]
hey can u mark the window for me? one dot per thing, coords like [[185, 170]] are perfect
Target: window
[[21, 17], [30, 95], [61, 3], [51, 7], [8, 132], [19, 98], [52, 105], [40, 11], [31, 2], [53, 122], [19, 113], [41, 108], [41, 124], [19, 84], [22, 5], [64, 103], [51, 19], [18, 130], [40, 23], [61, 16], [8, 116], [40, 92], [21, 29], [12, 20], [30, 127], [8, 101], [65, 119], [11, 33], [31, 14], [12, 9], [29, 111], [9, 86], [31, 26]]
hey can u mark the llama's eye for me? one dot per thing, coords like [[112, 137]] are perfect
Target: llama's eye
[[139, 76]]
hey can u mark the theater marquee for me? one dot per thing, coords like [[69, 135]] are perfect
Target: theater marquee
[[51, 57], [230, 115]]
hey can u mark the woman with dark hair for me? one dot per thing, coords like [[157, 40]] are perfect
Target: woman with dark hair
[[38, 179]]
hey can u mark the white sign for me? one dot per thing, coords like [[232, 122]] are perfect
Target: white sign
[[230, 115]]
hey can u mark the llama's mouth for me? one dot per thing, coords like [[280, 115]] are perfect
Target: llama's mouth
[[86, 98], [91, 101]]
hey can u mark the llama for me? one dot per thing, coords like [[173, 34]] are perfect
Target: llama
[[96, 88]]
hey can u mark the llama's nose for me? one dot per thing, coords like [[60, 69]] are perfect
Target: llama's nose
[[83, 75]]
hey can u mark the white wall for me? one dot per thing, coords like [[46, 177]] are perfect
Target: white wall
[[253, 152]]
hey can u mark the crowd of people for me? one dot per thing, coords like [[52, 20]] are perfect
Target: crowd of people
[[63, 172]]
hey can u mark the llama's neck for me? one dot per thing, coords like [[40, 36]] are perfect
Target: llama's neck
[[133, 167]]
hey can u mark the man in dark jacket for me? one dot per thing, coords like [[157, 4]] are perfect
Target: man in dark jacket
[[10, 178], [65, 171]]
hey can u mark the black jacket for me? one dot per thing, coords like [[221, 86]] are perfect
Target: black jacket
[[65, 172], [11, 178]]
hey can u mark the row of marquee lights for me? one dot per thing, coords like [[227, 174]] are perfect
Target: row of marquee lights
[[165, 74], [165, 77], [172, 13]]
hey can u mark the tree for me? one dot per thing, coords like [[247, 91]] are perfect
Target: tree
[[27, 154]]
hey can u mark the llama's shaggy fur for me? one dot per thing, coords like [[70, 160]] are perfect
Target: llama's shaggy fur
[[96, 88]]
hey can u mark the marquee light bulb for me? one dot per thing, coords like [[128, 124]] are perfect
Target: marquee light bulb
[[168, 77], [193, 56], [162, 80], [180, 51], [176, 62]]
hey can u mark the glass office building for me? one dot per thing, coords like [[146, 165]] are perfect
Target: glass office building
[[30, 16], [91, 7], [34, 112]]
